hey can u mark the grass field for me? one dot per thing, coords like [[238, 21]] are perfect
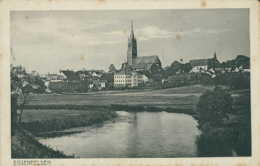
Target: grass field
[[35, 115], [181, 97]]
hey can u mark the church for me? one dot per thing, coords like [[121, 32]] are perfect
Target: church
[[139, 63], [204, 64]]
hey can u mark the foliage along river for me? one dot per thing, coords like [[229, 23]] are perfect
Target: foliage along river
[[133, 135]]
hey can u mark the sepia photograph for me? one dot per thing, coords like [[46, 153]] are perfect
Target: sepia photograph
[[171, 83]]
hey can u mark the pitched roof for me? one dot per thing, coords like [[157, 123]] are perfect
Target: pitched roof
[[147, 59], [139, 66], [142, 62], [69, 74], [96, 71], [125, 71], [199, 62], [99, 81]]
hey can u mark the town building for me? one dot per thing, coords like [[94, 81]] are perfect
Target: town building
[[139, 63], [128, 78], [70, 75], [204, 64], [100, 83]]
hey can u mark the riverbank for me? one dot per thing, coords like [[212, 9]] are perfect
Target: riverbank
[[53, 124], [25, 145], [116, 107]]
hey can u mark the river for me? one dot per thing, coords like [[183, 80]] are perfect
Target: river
[[133, 135]]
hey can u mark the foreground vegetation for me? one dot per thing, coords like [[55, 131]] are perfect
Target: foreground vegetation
[[226, 129], [25, 145], [50, 126]]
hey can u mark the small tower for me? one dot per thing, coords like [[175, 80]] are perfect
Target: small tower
[[132, 47], [215, 55]]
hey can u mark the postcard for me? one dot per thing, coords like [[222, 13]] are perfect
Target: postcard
[[129, 83]]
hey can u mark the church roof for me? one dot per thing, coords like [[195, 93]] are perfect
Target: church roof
[[139, 66], [199, 62], [141, 62], [147, 59]]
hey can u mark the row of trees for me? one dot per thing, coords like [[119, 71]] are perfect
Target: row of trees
[[233, 80], [60, 87], [240, 60]]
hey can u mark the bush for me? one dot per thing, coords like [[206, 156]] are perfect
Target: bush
[[213, 107], [234, 80], [216, 142]]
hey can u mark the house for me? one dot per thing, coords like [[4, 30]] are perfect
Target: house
[[100, 83], [222, 70], [204, 64], [70, 75], [244, 69], [236, 70], [82, 74], [142, 78], [53, 78], [96, 73]]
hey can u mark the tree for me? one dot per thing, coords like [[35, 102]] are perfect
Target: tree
[[186, 67], [242, 60], [213, 107], [20, 89], [176, 66], [112, 68], [109, 77], [223, 65], [155, 69], [122, 66]]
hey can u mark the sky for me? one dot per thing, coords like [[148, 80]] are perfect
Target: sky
[[47, 41]]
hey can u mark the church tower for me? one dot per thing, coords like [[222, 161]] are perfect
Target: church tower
[[132, 47], [215, 55]]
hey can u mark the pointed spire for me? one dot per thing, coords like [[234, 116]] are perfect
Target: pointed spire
[[132, 32]]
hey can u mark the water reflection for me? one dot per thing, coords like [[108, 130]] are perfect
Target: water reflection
[[134, 135]]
